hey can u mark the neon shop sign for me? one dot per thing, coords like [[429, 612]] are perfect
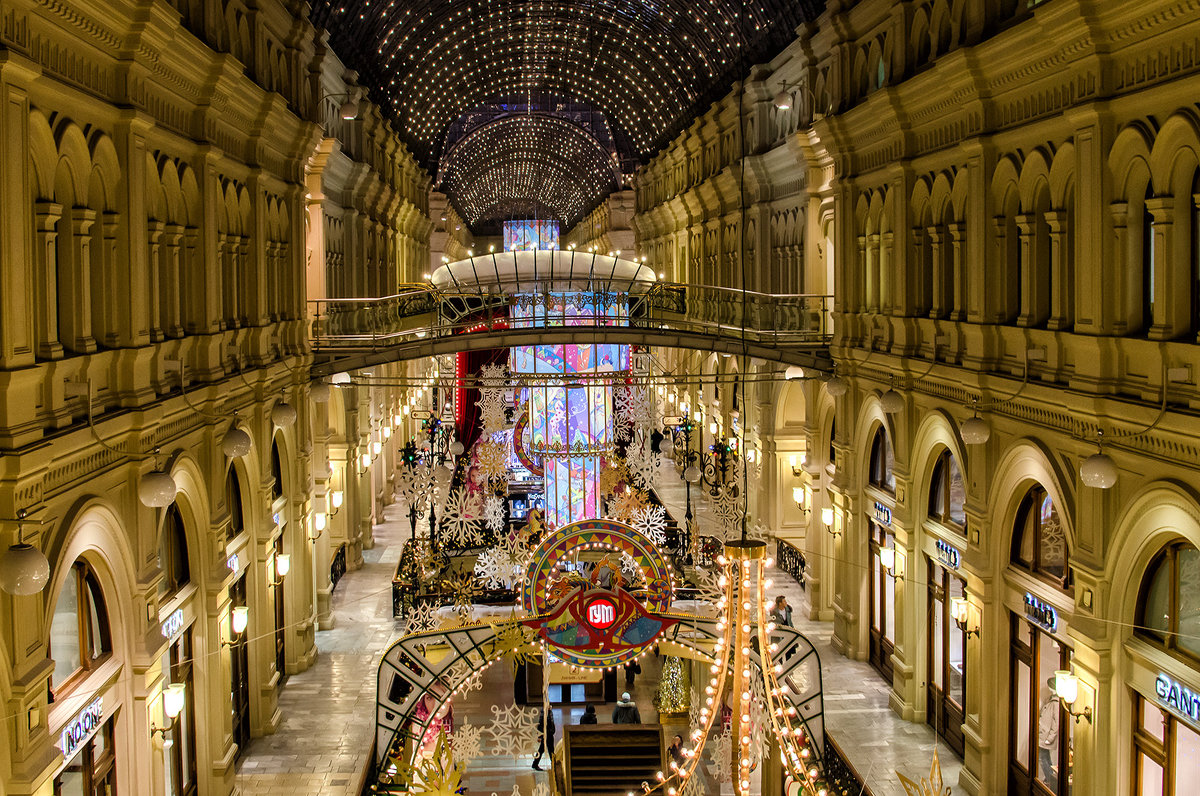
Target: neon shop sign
[[82, 728], [948, 554], [1179, 698], [1040, 613]]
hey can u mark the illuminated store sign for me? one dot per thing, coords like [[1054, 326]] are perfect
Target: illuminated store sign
[[1178, 698], [82, 728], [233, 562], [883, 514], [173, 624], [1040, 613], [601, 613], [948, 554]]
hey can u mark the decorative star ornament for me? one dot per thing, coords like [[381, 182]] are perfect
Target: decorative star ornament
[[926, 787]]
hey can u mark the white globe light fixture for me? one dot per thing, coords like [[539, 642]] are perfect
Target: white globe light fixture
[[24, 569], [891, 402], [975, 431], [783, 100], [456, 448], [174, 699], [443, 474], [1098, 471], [319, 391], [691, 474], [235, 443], [837, 386], [794, 372], [283, 415], [157, 489]]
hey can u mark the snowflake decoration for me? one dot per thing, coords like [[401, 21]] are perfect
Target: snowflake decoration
[[651, 522], [641, 462], [466, 743], [461, 519], [627, 504], [491, 458], [760, 721], [493, 375], [759, 532], [708, 583], [464, 590], [491, 403], [501, 566], [540, 789], [493, 513], [728, 509], [637, 406], [413, 483], [513, 730], [720, 752], [421, 619], [612, 473], [630, 570]]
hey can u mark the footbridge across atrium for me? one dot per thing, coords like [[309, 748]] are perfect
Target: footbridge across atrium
[[467, 306]]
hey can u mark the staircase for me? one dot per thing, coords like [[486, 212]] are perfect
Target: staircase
[[612, 759]]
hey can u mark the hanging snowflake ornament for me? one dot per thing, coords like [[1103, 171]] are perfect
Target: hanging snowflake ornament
[[491, 458], [720, 753], [421, 618], [464, 589], [708, 584], [493, 513], [627, 504], [462, 519], [637, 406], [728, 509], [631, 571], [493, 375], [641, 462], [466, 743], [502, 566], [513, 730], [651, 522], [612, 473]]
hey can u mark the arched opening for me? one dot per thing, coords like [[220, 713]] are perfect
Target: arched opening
[[883, 461], [80, 636], [1040, 541], [172, 554], [948, 493], [233, 501]]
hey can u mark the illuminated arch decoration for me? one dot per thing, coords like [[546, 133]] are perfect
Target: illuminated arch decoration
[[598, 534], [587, 624]]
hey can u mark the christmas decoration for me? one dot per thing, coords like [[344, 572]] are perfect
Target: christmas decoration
[[493, 513], [673, 686], [651, 521], [491, 458], [933, 786], [437, 774], [466, 743], [461, 520], [513, 730]]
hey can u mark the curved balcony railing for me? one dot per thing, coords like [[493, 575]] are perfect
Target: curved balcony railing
[[423, 312]]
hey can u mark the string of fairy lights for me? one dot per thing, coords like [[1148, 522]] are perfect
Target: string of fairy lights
[[528, 161], [646, 66]]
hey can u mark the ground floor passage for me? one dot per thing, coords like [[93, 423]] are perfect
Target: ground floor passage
[[324, 743]]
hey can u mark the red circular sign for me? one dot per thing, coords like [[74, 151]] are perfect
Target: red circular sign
[[601, 613]]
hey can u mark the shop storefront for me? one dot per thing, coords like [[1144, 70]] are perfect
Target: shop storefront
[[1164, 653], [1041, 727], [881, 554], [946, 654]]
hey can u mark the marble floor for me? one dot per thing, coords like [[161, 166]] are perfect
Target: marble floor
[[324, 742]]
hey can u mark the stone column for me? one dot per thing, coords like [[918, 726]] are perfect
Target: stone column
[[1062, 271], [958, 233], [1126, 313], [157, 288], [74, 291], [173, 285], [45, 280], [1171, 277]]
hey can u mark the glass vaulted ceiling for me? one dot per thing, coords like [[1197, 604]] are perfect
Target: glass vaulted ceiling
[[542, 107]]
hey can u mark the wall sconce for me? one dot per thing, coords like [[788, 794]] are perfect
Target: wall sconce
[[887, 560], [960, 611], [387, 431], [798, 463], [365, 461], [376, 448], [337, 498], [712, 428], [798, 495], [239, 618], [283, 565], [174, 697], [827, 521], [1066, 688]]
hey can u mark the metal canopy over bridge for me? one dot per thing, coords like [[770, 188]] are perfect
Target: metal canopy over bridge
[[352, 333]]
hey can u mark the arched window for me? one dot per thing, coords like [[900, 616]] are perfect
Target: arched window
[[80, 639], [1169, 602], [882, 462], [172, 553], [832, 439], [947, 492], [233, 499], [276, 473], [1039, 539]]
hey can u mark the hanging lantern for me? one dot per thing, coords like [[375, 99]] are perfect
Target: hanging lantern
[[1098, 471], [236, 442], [837, 386], [975, 431], [283, 415], [891, 402], [157, 489], [24, 570]]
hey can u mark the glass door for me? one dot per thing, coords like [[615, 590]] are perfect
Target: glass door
[[239, 674], [883, 600], [947, 659], [1040, 747]]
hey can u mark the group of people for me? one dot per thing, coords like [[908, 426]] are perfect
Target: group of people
[[626, 712]]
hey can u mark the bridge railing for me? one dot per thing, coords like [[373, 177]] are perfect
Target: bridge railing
[[425, 311]]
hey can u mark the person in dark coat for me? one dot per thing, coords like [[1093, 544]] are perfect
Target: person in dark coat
[[675, 750], [589, 715], [632, 669], [626, 711], [545, 731]]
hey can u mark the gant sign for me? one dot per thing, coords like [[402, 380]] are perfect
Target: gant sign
[[82, 727]]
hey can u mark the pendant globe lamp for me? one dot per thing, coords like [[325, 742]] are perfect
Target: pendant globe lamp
[[236, 442], [24, 569]]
